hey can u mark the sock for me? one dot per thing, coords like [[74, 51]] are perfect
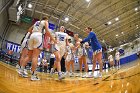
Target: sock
[[33, 72], [59, 73], [22, 68], [52, 70]]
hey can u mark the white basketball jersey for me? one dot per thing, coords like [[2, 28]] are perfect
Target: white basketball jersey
[[61, 38], [38, 26], [110, 58]]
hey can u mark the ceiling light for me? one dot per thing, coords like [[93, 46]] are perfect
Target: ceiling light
[[66, 19], [87, 0], [117, 35], [120, 42], [137, 26], [109, 23], [103, 41], [136, 9], [122, 32], [117, 19], [30, 5]]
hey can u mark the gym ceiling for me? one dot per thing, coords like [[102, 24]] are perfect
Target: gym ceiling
[[114, 21]]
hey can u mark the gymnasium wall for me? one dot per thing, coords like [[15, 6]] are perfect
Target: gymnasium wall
[[3, 17], [3, 3], [3, 21], [17, 32], [131, 50]]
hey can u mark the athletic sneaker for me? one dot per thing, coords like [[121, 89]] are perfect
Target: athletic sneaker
[[19, 71], [67, 74], [90, 75], [34, 77], [61, 76], [52, 71], [79, 75], [71, 74], [17, 66], [22, 74], [85, 75], [25, 71], [113, 67], [119, 66], [99, 75]]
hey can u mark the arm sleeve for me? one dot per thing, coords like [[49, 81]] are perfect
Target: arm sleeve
[[88, 38]]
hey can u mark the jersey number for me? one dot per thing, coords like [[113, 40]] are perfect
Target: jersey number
[[61, 38]]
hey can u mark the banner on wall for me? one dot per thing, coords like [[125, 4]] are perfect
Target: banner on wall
[[13, 46], [16, 48]]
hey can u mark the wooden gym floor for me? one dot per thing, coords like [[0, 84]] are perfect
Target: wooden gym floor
[[124, 80]]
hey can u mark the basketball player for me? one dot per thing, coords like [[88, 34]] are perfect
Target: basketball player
[[45, 64], [52, 56], [82, 55], [111, 61], [35, 45], [97, 49], [70, 58], [23, 52], [117, 57], [59, 50]]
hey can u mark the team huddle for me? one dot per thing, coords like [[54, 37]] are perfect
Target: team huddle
[[32, 45]]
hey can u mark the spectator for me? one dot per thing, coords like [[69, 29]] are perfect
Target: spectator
[[52, 59], [111, 61], [117, 57], [45, 64], [138, 54], [63, 69]]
